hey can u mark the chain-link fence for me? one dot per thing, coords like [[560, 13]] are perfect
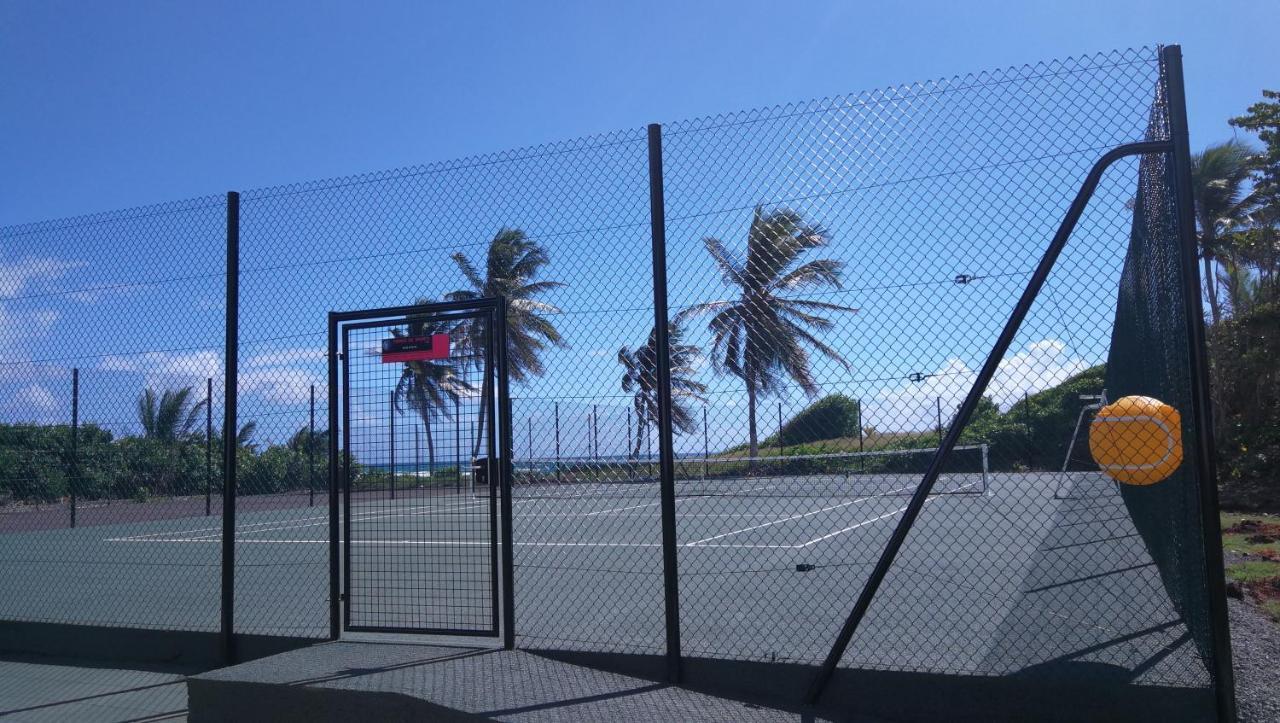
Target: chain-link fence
[[838, 272]]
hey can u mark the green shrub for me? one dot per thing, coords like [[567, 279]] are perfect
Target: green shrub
[[835, 415]]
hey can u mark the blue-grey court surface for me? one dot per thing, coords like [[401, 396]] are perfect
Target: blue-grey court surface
[[1032, 569], [43, 690]]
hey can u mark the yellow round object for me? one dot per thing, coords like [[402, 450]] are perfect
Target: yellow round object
[[1137, 440]]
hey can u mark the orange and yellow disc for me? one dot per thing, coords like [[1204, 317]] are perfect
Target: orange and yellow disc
[[1137, 440]]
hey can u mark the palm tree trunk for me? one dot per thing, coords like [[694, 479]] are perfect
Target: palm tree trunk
[[431, 447], [754, 449], [635, 451], [1212, 287], [484, 407]]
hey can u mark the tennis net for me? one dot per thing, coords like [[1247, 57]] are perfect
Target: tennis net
[[846, 474]]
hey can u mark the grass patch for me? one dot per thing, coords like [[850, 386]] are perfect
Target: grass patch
[[1254, 572], [1256, 537]]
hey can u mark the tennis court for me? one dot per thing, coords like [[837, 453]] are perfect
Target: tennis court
[[760, 561]]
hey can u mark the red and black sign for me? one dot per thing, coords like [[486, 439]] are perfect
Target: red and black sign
[[415, 348]]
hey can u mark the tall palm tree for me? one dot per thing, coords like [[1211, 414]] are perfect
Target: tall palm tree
[[511, 269], [425, 386], [640, 377], [171, 416], [1218, 177], [761, 336]]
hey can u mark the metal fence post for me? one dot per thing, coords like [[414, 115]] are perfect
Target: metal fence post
[[505, 452], [666, 454], [335, 579], [311, 452], [1203, 452], [74, 481], [557, 413], [706, 442], [208, 446], [229, 427], [939, 421], [782, 449], [861, 460], [391, 408], [457, 444]]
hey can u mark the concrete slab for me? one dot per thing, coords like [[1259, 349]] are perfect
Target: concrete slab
[[379, 681]]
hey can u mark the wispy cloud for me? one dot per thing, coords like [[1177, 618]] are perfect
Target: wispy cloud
[[914, 405]]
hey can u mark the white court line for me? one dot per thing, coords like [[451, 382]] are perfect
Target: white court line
[[355, 518], [785, 519], [867, 522], [314, 521], [454, 543]]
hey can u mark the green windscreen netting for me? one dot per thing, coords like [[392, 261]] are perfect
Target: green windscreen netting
[[1149, 356]]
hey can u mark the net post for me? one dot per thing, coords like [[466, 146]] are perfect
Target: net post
[[666, 461], [1203, 453], [229, 428], [970, 404]]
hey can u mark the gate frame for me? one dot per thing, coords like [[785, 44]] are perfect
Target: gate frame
[[500, 417]]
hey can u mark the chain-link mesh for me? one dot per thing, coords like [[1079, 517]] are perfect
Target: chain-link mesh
[[862, 253], [113, 322], [562, 229], [838, 271]]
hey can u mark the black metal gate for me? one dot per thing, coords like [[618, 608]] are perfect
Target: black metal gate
[[421, 466]]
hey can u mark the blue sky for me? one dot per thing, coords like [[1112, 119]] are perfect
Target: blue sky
[[110, 105], [137, 103]]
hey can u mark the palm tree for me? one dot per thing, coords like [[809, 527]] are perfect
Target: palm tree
[[640, 377], [426, 386], [1218, 177], [511, 269], [244, 438], [170, 417], [761, 336]]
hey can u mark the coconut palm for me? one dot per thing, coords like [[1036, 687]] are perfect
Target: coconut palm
[[1219, 174], [430, 388], [511, 269], [640, 377], [763, 337], [171, 416]]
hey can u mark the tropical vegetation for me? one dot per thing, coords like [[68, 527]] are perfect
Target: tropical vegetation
[[763, 336]]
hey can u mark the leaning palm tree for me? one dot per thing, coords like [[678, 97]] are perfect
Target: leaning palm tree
[[761, 336], [427, 387], [169, 417], [1218, 177], [640, 378], [511, 269]]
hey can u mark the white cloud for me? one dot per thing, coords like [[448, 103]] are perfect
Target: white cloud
[[19, 326], [287, 357], [913, 406], [284, 376], [282, 385], [16, 276], [162, 369], [34, 400]]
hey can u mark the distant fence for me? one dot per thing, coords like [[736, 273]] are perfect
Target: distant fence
[[837, 272]]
